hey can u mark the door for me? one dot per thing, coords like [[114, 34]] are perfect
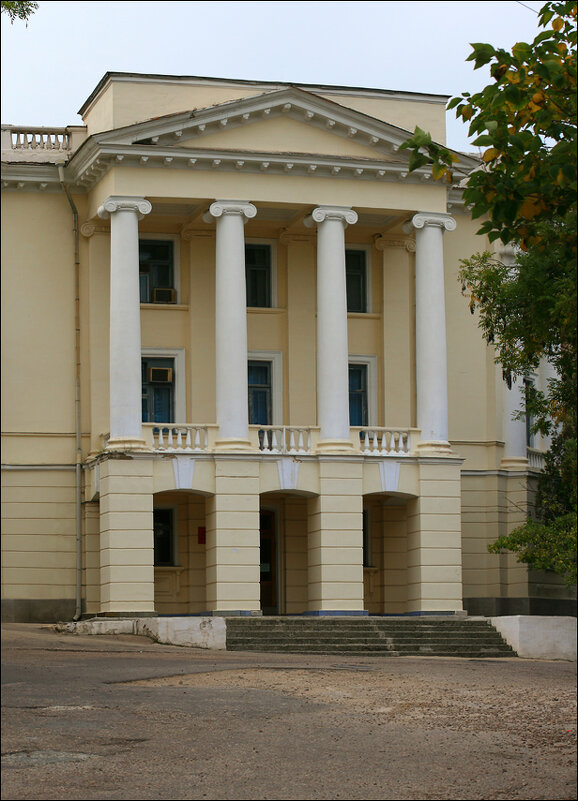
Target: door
[[268, 564]]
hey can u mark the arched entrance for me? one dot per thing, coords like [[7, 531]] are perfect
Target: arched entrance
[[179, 552]]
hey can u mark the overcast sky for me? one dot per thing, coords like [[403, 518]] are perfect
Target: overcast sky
[[50, 67]]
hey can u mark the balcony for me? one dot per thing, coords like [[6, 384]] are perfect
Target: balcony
[[187, 438]]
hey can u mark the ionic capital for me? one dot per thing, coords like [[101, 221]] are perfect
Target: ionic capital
[[138, 205], [90, 227], [322, 213], [424, 218], [225, 207]]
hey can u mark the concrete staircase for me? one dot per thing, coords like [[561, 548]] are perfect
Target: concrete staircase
[[368, 636]]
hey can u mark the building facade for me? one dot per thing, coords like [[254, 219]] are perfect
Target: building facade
[[239, 374]]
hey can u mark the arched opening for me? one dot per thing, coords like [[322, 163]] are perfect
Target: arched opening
[[179, 552], [385, 553], [283, 553]]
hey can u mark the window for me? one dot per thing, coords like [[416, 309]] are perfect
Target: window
[[258, 275], [358, 396], [260, 393], [158, 395], [356, 280], [367, 554], [156, 271], [164, 539]]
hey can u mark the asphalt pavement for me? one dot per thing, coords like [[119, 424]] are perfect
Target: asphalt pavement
[[121, 717]]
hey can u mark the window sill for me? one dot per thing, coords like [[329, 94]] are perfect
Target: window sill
[[265, 310], [364, 315], [165, 306]]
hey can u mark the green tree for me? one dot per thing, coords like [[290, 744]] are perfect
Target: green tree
[[524, 191], [18, 10]]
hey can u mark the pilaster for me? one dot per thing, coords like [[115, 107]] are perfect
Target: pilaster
[[233, 540], [434, 547], [335, 539], [126, 537]]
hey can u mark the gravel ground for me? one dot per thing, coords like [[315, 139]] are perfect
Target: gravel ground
[[121, 717]]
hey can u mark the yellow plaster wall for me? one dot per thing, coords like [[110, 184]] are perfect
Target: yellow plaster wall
[[38, 534], [38, 362]]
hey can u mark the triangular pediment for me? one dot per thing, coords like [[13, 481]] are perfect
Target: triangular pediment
[[286, 120], [285, 134], [288, 130]]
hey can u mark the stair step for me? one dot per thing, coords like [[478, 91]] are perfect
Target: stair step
[[367, 636]]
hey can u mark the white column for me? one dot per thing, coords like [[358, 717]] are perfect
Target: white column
[[125, 336], [515, 445], [514, 433], [431, 351], [332, 350], [231, 322]]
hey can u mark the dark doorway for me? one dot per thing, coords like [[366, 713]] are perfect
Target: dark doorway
[[268, 564]]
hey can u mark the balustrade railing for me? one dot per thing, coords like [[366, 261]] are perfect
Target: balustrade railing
[[173, 437], [290, 440], [536, 458], [378, 441], [30, 138], [284, 439]]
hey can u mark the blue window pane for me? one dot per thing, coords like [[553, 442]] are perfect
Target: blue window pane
[[158, 397], [358, 394], [259, 373]]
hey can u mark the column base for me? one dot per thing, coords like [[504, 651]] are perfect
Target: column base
[[437, 447], [335, 446], [126, 444], [235, 613], [234, 444], [336, 613], [516, 463]]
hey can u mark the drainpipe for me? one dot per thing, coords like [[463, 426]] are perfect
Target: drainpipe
[[77, 418]]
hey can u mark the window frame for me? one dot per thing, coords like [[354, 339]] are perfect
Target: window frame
[[272, 244], [368, 293], [276, 359], [179, 396], [176, 240], [371, 364]]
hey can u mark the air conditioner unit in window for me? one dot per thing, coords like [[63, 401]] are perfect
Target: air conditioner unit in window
[[161, 375], [164, 295]]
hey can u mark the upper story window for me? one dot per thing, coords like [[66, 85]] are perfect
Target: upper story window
[[358, 395], [157, 271], [356, 279], [158, 390], [258, 271], [260, 393]]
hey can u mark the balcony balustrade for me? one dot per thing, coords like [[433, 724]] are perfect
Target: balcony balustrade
[[278, 440]]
